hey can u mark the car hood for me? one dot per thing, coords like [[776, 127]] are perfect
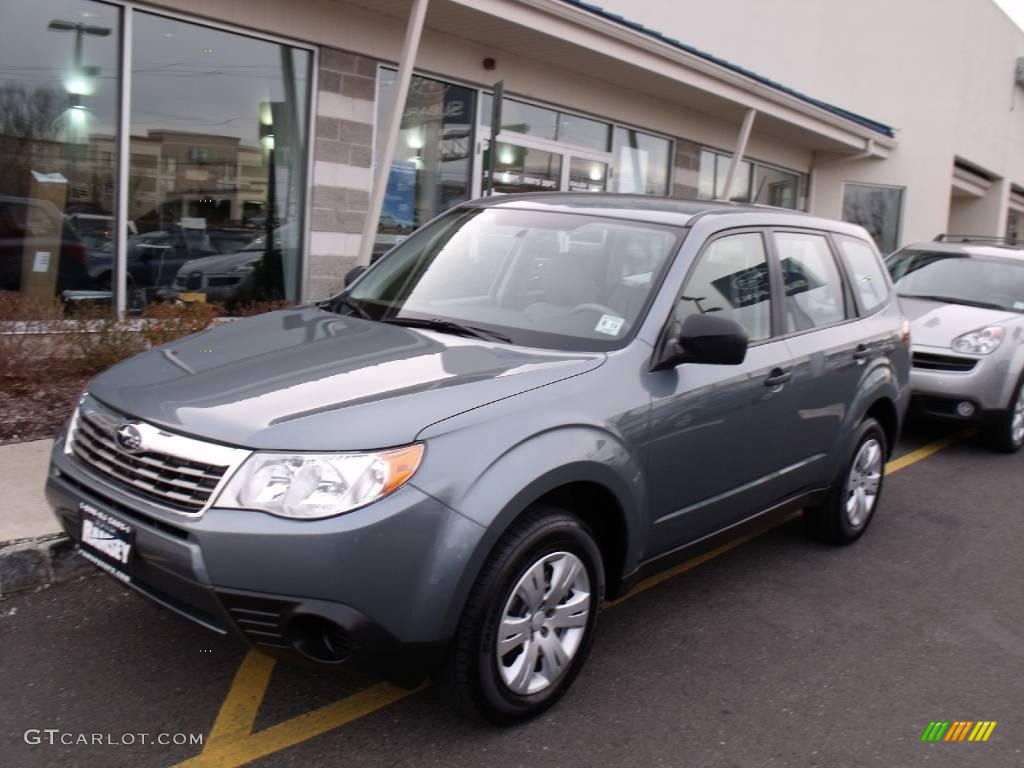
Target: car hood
[[308, 379], [936, 324], [221, 262]]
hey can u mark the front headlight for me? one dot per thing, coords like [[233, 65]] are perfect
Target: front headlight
[[309, 486], [980, 342]]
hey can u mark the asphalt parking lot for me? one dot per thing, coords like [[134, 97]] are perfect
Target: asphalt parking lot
[[775, 652]]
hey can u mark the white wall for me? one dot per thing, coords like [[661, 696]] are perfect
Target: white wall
[[939, 71]]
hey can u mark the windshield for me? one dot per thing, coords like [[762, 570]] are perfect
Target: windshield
[[553, 280], [960, 278]]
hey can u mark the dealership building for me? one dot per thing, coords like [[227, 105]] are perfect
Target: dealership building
[[137, 139]]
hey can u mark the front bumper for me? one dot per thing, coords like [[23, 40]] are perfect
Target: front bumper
[[938, 387], [377, 583]]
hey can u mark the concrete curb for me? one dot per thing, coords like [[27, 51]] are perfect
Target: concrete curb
[[30, 563]]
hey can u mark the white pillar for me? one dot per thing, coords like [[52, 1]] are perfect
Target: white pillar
[[387, 150], [741, 150]]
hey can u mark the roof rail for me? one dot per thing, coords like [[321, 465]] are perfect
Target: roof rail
[[1008, 242]]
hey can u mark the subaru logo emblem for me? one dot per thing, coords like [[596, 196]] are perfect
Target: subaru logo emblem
[[128, 437]]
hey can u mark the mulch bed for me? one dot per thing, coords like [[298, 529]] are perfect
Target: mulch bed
[[34, 410]]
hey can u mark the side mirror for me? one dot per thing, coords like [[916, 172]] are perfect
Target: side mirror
[[353, 274], [707, 339]]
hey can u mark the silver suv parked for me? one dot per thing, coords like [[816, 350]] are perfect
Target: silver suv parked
[[524, 408], [965, 298]]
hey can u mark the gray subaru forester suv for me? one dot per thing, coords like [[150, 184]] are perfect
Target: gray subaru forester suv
[[520, 411]]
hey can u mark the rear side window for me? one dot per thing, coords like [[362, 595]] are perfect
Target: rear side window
[[814, 287], [866, 268], [731, 280]]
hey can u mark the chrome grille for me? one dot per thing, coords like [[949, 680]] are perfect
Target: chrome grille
[[165, 470]]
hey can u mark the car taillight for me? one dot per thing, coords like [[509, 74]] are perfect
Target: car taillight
[[75, 250], [905, 333]]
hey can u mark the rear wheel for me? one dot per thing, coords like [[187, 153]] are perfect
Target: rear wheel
[[854, 497], [529, 622], [1006, 430]]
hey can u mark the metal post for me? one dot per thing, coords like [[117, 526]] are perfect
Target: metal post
[[492, 143], [387, 150], [741, 150], [120, 282]]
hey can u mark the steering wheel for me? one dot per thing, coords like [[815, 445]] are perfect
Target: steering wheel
[[593, 308]]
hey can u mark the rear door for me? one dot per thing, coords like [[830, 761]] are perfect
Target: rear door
[[827, 345]]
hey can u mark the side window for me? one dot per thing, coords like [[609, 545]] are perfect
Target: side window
[[814, 287], [864, 265], [731, 278]]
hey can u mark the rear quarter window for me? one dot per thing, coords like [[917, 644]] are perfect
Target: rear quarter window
[[866, 270]]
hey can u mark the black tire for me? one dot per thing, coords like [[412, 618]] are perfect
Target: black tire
[[830, 521], [998, 433], [471, 679]]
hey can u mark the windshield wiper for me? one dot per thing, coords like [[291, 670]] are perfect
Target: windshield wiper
[[448, 326], [344, 301], [953, 300]]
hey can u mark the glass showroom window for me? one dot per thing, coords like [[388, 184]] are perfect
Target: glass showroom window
[[218, 141], [58, 143], [1013, 225], [878, 210], [641, 162], [754, 182], [432, 168]]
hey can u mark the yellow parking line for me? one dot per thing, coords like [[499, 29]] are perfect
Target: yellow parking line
[[920, 454], [232, 742], [238, 712]]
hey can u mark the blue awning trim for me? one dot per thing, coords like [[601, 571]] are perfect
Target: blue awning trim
[[846, 114]]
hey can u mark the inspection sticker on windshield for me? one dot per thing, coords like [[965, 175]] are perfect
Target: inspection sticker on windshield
[[609, 324]]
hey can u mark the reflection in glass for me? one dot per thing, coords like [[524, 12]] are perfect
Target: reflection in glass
[[865, 269], [1013, 226], [814, 289], [878, 210], [587, 175], [549, 124], [58, 118], [740, 191], [731, 280], [775, 187], [641, 162], [218, 152], [523, 169], [706, 184], [432, 167]]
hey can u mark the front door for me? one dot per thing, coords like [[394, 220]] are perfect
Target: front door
[[718, 430], [524, 165]]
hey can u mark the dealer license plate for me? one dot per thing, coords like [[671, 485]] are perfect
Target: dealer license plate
[[106, 541]]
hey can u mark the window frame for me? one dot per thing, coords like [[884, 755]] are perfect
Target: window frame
[[851, 308]]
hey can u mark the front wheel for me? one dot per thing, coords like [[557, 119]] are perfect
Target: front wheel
[[1005, 432], [529, 622], [851, 503]]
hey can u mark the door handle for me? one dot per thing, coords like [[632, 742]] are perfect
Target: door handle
[[778, 377], [862, 352]]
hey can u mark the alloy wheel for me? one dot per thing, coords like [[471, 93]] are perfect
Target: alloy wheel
[[1017, 422], [543, 623], [864, 481]]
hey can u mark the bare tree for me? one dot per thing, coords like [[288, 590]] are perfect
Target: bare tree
[[26, 119]]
